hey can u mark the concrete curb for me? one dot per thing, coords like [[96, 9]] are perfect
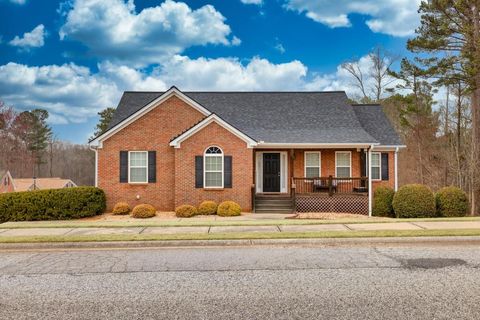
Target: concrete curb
[[319, 242]]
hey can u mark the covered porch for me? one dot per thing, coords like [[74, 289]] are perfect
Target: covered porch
[[326, 179]]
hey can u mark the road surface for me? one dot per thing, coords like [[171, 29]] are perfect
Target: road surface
[[421, 282]]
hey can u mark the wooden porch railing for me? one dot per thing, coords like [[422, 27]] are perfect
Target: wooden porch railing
[[331, 185]]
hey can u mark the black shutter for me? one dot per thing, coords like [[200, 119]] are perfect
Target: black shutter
[[123, 166], [385, 166], [198, 171], [152, 166], [227, 172]]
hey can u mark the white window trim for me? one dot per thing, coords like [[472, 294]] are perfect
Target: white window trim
[[336, 162], [379, 166], [129, 166], [205, 155], [319, 163]]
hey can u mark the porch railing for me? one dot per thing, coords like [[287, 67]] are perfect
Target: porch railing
[[331, 185]]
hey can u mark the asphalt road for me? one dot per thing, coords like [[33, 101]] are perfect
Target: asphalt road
[[243, 283]]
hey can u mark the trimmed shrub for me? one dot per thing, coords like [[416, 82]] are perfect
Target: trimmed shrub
[[382, 202], [121, 208], [207, 208], [52, 204], [451, 202], [185, 211], [143, 211], [414, 201], [228, 209]]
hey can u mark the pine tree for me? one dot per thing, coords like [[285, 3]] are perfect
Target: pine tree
[[106, 116], [450, 34]]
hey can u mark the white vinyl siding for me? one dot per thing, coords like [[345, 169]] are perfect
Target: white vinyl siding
[[343, 164], [312, 164], [138, 167], [376, 165]]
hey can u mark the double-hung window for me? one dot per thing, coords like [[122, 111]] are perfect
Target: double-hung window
[[343, 164], [376, 166], [138, 167], [312, 165], [213, 171]]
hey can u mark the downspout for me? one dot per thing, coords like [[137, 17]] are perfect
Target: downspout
[[369, 169], [96, 164], [396, 169]]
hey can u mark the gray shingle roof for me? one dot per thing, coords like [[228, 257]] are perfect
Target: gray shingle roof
[[273, 117], [373, 119]]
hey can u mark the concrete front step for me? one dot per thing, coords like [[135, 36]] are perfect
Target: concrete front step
[[273, 210]]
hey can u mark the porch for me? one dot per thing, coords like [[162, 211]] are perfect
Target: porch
[[293, 180]]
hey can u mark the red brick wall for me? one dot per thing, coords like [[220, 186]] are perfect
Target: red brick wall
[[391, 173], [151, 132], [242, 165]]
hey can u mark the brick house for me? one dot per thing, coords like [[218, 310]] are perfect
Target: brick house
[[9, 184], [268, 151]]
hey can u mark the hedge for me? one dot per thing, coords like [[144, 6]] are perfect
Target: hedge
[[228, 209], [207, 208], [414, 201], [185, 211], [143, 211], [53, 204], [382, 202], [451, 202], [121, 208]]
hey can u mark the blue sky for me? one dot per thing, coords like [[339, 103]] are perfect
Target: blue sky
[[76, 57]]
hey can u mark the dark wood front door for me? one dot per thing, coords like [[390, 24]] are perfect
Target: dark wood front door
[[271, 172]]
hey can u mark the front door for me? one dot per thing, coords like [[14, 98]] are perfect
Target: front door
[[271, 172]]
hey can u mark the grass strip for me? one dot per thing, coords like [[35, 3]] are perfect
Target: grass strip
[[241, 236], [211, 223]]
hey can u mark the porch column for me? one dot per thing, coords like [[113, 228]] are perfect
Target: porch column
[[369, 169], [396, 169]]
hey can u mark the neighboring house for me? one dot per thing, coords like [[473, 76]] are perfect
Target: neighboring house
[[28, 184], [265, 150]]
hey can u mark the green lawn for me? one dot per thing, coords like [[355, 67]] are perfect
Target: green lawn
[[206, 223], [241, 236]]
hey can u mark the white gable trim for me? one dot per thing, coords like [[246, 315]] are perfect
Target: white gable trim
[[205, 122], [173, 91]]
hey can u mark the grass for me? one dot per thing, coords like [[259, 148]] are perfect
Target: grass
[[208, 223], [241, 236]]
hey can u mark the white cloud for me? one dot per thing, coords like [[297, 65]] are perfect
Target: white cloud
[[396, 18], [236, 41], [112, 29], [280, 48], [32, 39], [257, 2]]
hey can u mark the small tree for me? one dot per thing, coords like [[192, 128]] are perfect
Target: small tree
[[106, 116]]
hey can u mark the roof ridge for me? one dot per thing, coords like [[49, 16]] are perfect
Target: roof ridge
[[216, 91]]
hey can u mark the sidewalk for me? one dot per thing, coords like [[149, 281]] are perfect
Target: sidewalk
[[253, 229]]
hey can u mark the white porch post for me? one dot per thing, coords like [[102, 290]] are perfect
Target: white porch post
[[396, 169], [369, 169]]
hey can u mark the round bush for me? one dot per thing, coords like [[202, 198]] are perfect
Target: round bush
[[143, 211], [228, 209], [207, 207], [382, 202], [185, 211], [414, 201], [451, 202], [121, 208]]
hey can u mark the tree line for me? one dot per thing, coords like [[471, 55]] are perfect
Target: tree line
[[442, 137]]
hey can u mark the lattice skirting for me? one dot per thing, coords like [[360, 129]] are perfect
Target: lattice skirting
[[337, 203]]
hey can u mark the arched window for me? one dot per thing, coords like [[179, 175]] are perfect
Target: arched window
[[213, 167]]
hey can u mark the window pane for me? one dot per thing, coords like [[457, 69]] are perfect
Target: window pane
[[213, 163], [375, 172], [343, 159], [312, 172], [312, 159], [343, 172], [213, 179], [138, 159], [375, 160], [138, 174]]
